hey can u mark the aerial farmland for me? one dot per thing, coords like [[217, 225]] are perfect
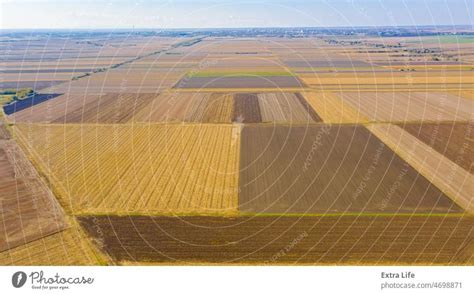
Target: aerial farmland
[[236, 148]]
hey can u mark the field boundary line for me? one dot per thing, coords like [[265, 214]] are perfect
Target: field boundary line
[[242, 90], [429, 163], [237, 214], [56, 188], [262, 124], [332, 109]]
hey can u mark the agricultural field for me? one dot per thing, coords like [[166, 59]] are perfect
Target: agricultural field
[[51, 61], [332, 109], [466, 94], [236, 147], [329, 169], [246, 108], [108, 108], [242, 81], [336, 63], [388, 80], [121, 169], [286, 107], [69, 247], [410, 106], [171, 107], [213, 108], [4, 133], [448, 176], [453, 140], [51, 110], [225, 107], [353, 240], [29, 209]]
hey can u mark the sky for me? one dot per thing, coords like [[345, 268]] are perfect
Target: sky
[[167, 14]]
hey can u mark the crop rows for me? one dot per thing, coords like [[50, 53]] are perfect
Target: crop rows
[[332, 109], [69, 247], [327, 169], [141, 169], [362, 239], [410, 106], [449, 177], [29, 210]]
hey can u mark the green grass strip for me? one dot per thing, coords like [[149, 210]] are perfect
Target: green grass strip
[[449, 39]]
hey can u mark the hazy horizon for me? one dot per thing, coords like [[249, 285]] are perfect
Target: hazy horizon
[[231, 14]]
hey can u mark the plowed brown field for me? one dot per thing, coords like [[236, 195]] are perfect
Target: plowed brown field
[[29, 210], [329, 168], [286, 107], [449, 177], [453, 140], [285, 240], [246, 108], [109, 108], [275, 82], [56, 108]]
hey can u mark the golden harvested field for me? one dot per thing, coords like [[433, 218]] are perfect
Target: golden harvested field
[[212, 108], [167, 107], [4, 133], [410, 106], [464, 93], [393, 78], [188, 107], [69, 247], [121, 169], [332, 109]]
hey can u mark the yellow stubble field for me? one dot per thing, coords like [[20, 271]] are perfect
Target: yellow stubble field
[[139, 169], [332, 109], [390, 78]]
